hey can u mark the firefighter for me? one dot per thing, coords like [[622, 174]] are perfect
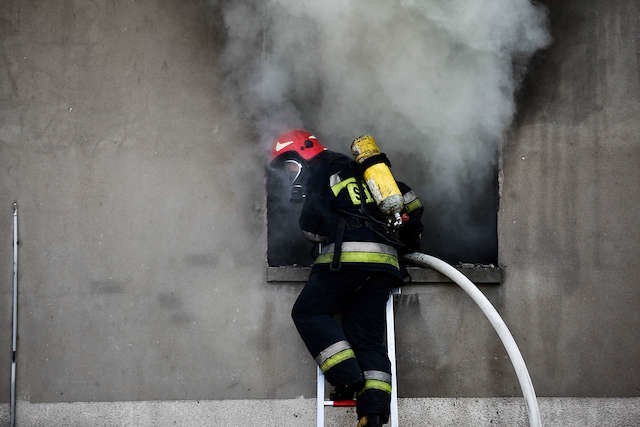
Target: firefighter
[[352, 276]]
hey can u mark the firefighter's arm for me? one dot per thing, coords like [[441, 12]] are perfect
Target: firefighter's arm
[[314, 216], [411, 228], [310, 220], [410, 232]]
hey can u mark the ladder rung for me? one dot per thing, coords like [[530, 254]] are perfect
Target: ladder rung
[[340, 403]]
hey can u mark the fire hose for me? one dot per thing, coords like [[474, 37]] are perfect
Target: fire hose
[[498, 324]]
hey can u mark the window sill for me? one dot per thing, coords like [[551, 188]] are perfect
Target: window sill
[[478, 274]]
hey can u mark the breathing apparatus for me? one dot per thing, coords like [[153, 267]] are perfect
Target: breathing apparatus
[[378, 176]]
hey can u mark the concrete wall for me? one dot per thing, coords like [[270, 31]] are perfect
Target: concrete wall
[[143, 236], [569, 228], [140, 208]]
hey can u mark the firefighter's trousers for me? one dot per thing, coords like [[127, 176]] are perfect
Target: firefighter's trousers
[[350, 350]]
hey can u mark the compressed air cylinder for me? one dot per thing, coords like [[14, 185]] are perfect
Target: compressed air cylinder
[[378, 177]]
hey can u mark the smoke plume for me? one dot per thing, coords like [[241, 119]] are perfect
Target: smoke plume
[[432, 80]]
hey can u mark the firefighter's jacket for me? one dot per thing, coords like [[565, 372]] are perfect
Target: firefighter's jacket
[[333, 208]]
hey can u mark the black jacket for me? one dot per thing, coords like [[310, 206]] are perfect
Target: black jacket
[[335, 189]]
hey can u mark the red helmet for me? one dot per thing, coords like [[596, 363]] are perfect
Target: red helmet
[[297, 141]]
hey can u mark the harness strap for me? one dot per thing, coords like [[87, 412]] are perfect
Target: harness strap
[[337, 246]]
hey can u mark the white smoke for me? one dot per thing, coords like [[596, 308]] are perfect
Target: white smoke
[[433, 79]]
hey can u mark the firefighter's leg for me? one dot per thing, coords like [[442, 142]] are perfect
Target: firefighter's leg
[[313, 313], [364, 326]]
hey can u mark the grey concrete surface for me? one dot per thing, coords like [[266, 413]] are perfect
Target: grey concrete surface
[[561, 412], [143, 234], [569, 228]]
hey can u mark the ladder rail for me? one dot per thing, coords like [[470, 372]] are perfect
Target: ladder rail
[[319, 398], [391, 351]]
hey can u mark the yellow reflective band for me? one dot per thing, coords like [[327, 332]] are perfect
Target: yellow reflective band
[[416, 204], [370, 257], [361, 247], [331, 350], [337, 358], [339, 186], [377, 385]]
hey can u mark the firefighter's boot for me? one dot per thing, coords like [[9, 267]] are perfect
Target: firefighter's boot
[[344, 392], [370, 421]]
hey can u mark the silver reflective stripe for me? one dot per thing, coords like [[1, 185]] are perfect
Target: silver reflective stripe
[[363, 247], [377, 375], [334, 179], [409, 197], [331, 350]]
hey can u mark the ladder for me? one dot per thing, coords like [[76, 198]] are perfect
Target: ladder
[[391, 350]]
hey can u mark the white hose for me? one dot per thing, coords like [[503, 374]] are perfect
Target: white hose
[[510, 345]]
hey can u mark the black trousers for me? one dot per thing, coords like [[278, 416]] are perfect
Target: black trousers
[[359, 297]]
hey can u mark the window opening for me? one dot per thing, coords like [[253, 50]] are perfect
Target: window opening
[[461, 230]]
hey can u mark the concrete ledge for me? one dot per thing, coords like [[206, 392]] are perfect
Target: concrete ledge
[[301, 412], [476, 273]]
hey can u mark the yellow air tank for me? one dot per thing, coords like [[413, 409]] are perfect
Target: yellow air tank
[[378, 176]]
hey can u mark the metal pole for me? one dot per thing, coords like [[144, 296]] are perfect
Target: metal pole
[[14, 339]]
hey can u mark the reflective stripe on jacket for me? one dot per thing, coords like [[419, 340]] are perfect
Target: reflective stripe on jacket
[[361, 252], [411, 202]]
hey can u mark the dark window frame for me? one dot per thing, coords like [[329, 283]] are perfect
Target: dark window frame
[[478, 273]]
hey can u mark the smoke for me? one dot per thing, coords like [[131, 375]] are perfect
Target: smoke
[[432, 80]]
